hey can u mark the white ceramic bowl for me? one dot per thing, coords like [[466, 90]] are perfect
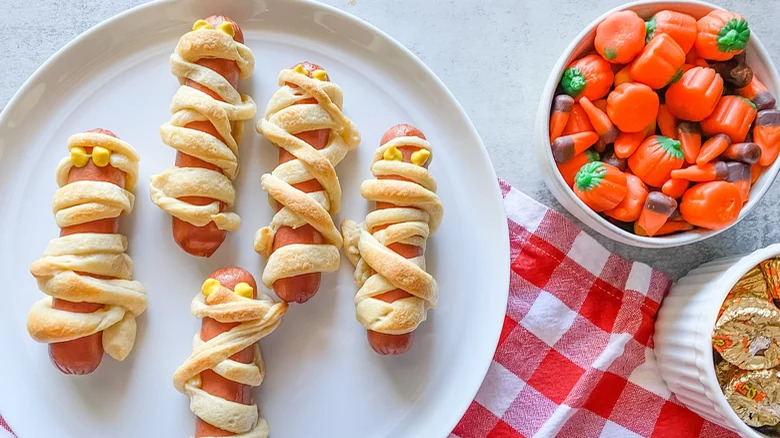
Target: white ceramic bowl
[[758, 59], [683, 336]]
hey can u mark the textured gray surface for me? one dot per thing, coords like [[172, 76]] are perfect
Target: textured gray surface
[[493, 55]]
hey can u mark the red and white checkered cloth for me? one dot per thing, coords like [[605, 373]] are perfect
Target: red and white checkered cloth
[[575, 357]]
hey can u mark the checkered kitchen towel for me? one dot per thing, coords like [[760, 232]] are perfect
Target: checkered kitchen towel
[[575, 357]]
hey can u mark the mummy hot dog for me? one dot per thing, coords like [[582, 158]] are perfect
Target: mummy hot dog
[[207, 123], [92, 302], [305, 121], [226, 360], [388, 249]]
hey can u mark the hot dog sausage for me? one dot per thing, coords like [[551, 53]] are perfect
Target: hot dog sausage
[[83, 355], [383, 343], [204, 241], [301, 288], [211, 382]]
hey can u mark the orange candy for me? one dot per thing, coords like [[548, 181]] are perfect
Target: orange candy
[[590, 76], [695, 95], [721, 35], [732, 116], [655, 159], [632, 106], [620, 37], [681, 27], [660, 63], [600, 186], [713, 205]]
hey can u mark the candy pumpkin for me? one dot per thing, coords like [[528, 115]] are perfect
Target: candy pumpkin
[[713, 205], [721, 35], [570, 168], [659, 64], [629, 208], [681, 27], [590, 76], [655, 159], [695, 95], [620, 36], [632, 106], [732, 116], [600, 186]]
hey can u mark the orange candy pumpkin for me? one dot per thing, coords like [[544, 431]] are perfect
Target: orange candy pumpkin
[[681, 27], [660, 63], [695, 95], [655, 159], [590, 76], [732, 116], [620, 37], [632, 106], [713, 205], [721, 35], [600, 186]]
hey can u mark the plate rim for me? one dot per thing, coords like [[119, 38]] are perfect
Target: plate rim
[[500, 248]]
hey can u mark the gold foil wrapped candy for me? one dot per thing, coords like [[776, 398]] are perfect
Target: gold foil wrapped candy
[[755, 397], [747, 334], [771, 271]]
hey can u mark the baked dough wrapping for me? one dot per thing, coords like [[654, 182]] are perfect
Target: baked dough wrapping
[[417, 214], [282, 121], [191, 105], [61, 271], [257, 318]]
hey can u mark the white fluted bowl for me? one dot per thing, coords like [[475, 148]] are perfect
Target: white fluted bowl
[[683, 336]]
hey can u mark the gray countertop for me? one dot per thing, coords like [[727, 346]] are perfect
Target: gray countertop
[[493, 55]]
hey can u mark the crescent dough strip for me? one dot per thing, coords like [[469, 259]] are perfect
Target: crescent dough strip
[[282, 121], [191, 105], [378, 269], [60, 271], [257, 318]]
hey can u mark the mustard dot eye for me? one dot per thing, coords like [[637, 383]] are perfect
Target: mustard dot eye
[[78, 156], [420, 157], [101, 156], [210, 286], [201, 24], [244, 290], [393, 154], [227, 27], [320, 75], [299, 69]]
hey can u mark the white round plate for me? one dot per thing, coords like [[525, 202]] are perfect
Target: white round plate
[[322, 377]]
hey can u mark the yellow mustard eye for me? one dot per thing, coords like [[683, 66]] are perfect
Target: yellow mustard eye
[[299, 69], [227, 27], [201, 24], [393, 154], [320, 75], [420, 157], [78, 156], [210, 286], [101, 156], [244, 290]]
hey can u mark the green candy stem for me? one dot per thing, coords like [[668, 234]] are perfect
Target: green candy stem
[[649, 29], [676, 76], [573, 81], [590, 176], [592, 155], [670, 146], [733, 36]]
